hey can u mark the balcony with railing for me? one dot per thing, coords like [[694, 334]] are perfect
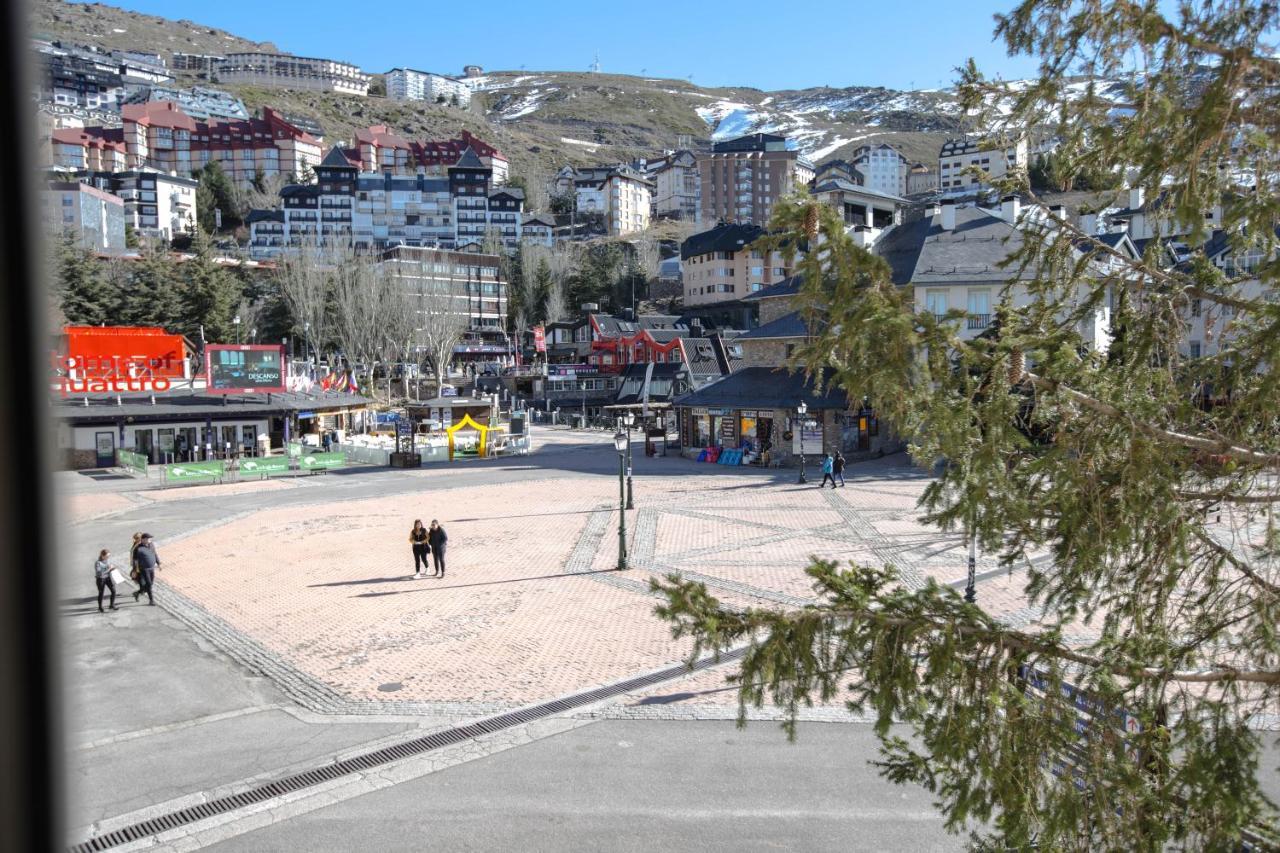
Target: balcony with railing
[[979, 321]]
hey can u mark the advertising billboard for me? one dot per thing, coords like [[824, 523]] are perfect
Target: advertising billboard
[[244, 368], [115, 359]]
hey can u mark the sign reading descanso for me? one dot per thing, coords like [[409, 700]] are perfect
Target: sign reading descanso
[[236, 369]]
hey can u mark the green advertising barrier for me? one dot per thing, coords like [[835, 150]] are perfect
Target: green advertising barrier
[[294, 448], [133, 462], [194, 471], [321, 461], [265, 466]]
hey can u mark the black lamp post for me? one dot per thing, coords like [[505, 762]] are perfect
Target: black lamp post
[[582, 386], [970, 589], [620, 443], [802, 410], [629, 420]]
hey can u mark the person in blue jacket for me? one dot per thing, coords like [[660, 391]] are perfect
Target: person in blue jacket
[[828, 466]]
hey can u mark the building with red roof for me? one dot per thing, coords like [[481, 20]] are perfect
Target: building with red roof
[[158, 135], [378, 149]]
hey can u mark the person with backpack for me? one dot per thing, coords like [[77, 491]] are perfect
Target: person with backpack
[[828, 466], [147, 562], [837, 469]]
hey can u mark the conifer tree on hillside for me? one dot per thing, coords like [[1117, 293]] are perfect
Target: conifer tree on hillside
[[1131, 711]]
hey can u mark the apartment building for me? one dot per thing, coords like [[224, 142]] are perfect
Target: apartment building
[[406, 84], [377, 149], [742, 179], [883, 167], [719, 265], [284, 71], [76, 81], [159, 135], [953, 258], [859, 205], [201, 103], [921, 179], [467, 284], [94, 216], [374, 211], [195, 63], [538, 228], [993, 157], [156, 204], [628, 199], [677, 188]]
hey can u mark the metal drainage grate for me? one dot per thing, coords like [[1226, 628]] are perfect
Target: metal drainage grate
[[386, 755]]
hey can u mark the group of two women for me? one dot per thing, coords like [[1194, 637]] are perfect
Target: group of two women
[[428, 541]]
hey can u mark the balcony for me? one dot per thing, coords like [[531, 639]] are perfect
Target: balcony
[[979, 321]]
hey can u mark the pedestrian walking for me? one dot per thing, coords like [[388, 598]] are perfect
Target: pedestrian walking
[[828, 467], [421, 548], [436, 538], [102, 570], [133, 563], [837, 469], [148, 563]]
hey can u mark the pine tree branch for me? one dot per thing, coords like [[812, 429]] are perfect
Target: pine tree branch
[[1229, 497], [1194, 442], [1236, 563]]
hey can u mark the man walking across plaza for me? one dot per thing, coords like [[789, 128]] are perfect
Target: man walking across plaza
[[148, 562], [436, 538], [837, 469]]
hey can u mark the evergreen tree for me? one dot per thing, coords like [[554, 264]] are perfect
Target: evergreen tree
[[151, 296], [210, 294], [85, 294], [1129, 712], [216, 192]]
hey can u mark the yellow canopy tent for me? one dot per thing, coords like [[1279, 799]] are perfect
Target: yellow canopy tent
[[465, 423]]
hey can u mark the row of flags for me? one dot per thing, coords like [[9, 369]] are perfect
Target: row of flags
[[341, 381]]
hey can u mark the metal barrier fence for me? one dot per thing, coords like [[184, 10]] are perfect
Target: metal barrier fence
[[240, 470], [134, 463]]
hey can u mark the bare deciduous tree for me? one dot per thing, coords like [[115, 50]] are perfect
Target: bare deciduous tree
[[438, 322], [304, 281]]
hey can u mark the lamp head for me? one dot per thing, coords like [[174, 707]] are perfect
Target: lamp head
[[802, 409], [620, 442]]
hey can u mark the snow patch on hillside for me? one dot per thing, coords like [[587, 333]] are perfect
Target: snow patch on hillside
[[590, 146]]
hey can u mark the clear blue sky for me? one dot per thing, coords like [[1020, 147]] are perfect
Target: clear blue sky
[[767, 45]]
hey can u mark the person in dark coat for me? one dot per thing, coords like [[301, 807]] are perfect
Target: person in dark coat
[[837, 469], [148, 563], [418, 541], [437, 538]]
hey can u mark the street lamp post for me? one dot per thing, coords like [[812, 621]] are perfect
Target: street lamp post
[[629, 420], [620, 443], [970, 589], [802, 410], [582, 386], [236, 322]]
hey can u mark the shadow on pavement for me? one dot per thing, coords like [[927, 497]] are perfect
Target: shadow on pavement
[[402, 578]]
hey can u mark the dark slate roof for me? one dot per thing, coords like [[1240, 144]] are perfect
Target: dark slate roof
[[725, 237], [511, 192], [663, 385], [749, 142], [789, 286], [765, 388], [539, 219], [402, 183], [469, 160], [921, 252], [833, 184], [300, 191], [182, 406], [259, 215], [787, 326], [336, 158]]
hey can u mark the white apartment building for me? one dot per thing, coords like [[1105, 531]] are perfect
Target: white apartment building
[[156, 204], [993, 157], [406, 84], [283, 71], [628, 199], [677, 187], [719, 265], [883, 168]]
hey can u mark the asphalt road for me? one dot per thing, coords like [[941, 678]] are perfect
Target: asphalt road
[[637, 786]]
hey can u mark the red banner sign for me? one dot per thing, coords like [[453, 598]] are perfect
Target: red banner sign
[[539, 339]]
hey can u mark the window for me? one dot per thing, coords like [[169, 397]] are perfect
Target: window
[[1195, 308], [936, 302], [1195, 349], [979, 309]]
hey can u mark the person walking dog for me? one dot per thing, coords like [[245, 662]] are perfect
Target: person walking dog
[[837, 469], [102, 570], [828, 466], [421, 548], [437, 538], [148, 563]]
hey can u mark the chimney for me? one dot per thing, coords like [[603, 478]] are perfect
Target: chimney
[[1135, 198], [863, 235], [948, 215], [1010, 207], [1089, 223], [695, 328], [1118, 226], [1059, 211], [589, 307]]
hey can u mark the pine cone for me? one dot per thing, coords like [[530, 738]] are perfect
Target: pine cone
[[1017, 366], [811, 221]]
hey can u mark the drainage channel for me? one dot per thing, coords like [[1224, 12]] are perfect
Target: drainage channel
[[369, 760]]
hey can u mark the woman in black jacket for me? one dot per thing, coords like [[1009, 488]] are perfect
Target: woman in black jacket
[[418, 541], [437, 537]]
